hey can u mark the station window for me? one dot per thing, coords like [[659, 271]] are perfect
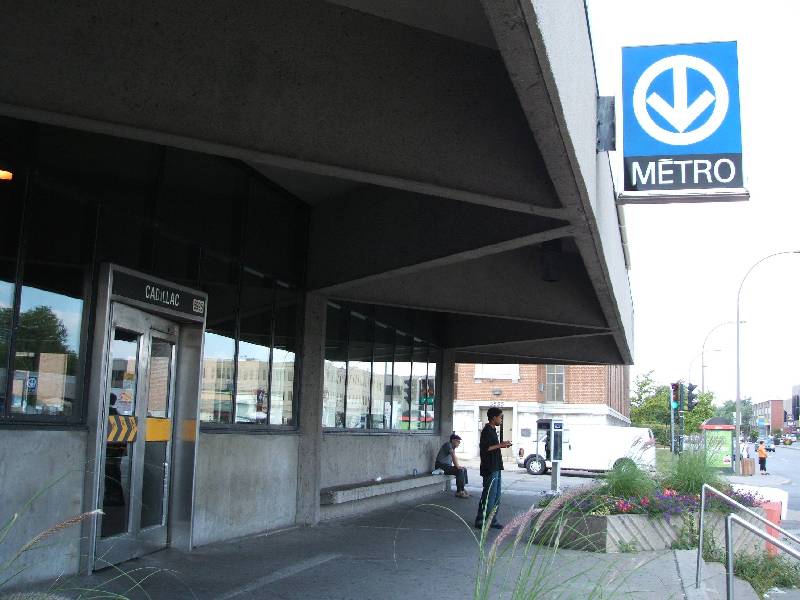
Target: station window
[[249, 348], [377, 377], [42, 310], [202, 221]]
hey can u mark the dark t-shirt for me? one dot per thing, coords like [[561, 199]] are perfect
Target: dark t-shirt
[[491, 461]]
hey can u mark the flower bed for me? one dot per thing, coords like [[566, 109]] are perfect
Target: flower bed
[[596, 521]]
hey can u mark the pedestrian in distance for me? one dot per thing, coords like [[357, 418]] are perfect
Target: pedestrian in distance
[[447, 461], [762, 458], [491, 468]]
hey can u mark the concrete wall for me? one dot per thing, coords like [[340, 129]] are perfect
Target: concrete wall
[[51, 463], [244, 484], [353, 458]]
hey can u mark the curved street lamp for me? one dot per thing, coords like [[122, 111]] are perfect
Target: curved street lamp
[[737, 462], [703, 352]]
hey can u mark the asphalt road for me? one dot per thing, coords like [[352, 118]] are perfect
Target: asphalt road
[[785, 461]]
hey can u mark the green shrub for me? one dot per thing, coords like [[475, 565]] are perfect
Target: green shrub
[[626, 480], [765, 572], [688, 471]]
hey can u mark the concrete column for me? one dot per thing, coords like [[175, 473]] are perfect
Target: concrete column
[[312, 381], [447, 394]]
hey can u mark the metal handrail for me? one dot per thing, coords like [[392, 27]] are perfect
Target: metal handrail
[[732, 502], [729, 520]]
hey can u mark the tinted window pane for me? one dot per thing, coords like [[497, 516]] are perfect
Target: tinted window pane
[[265, 207], [400, 382], [435, 358], [10, 198], [216, 395], [287, 312], [252, 379], [382, 376], [335, 368], [359, 369], [419, 376], [219, 280], [46, 359]]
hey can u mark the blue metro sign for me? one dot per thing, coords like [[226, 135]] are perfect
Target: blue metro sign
[[681, 122]]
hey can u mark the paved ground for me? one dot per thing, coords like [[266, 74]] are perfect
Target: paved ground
[[425, 549], [409, 550]]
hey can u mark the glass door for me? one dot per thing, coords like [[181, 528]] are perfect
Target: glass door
[[134, 485]]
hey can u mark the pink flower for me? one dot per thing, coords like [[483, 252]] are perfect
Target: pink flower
[[669, 492], [645, 501]]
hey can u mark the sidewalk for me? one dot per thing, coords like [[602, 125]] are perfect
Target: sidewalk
[[400, 552], [759, 480]]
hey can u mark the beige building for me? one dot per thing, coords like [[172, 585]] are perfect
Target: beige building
[[578, 394]]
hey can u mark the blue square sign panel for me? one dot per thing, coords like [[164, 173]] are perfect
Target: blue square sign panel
[[680, 114]]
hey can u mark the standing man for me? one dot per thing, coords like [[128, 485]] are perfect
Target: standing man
[[491, 467], [447, 461]]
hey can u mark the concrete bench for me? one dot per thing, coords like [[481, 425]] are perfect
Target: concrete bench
[[370, 489]]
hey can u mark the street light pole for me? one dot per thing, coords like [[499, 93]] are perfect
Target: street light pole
[[737, 462], [703, 352]]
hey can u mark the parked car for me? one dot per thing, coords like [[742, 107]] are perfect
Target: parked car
[[768, 442]]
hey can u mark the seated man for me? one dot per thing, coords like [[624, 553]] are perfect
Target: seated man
[[446, 461]]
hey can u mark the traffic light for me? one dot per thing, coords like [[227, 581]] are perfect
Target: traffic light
[[691, 397], [676, 396]]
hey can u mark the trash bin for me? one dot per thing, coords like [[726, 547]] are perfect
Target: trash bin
[[748, 466]]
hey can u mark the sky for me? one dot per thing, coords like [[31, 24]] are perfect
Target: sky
[[688, 260]]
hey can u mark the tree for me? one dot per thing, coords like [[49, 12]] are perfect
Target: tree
[[703, 410], [643, 387], [653, 408], [728, 411]]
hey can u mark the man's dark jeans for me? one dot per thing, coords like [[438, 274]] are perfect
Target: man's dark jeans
[[490, 498], [459, 472]]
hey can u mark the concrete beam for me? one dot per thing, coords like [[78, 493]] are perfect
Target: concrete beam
[[507, 285], [592, 349], [375, 233], [467, 331]]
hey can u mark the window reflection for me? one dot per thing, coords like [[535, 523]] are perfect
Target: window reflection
[[418, 384], [219, 278], [216, 394], [283, 358], [255, 339], [6, 307], [359, 371], [382, 376], [335, 368], [46, 354], [401, 398]]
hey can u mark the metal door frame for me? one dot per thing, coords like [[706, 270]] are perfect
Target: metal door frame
[[186, 382], [135, 540]]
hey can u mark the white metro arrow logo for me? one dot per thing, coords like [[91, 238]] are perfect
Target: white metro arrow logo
[[681, 114]]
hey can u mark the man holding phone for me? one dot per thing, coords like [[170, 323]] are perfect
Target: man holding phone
[[491, 467]]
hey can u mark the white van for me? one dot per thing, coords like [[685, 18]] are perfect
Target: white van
[[586, 447]]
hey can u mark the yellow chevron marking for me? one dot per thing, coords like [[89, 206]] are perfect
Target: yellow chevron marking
[[123, 429], [112, 428]]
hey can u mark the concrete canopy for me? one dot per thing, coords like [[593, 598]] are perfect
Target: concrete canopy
[[448, 152]]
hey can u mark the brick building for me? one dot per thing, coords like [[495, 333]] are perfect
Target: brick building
[[593, 394], [768, 415]]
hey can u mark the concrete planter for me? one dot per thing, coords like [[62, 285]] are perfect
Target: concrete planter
[[616, 533]]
